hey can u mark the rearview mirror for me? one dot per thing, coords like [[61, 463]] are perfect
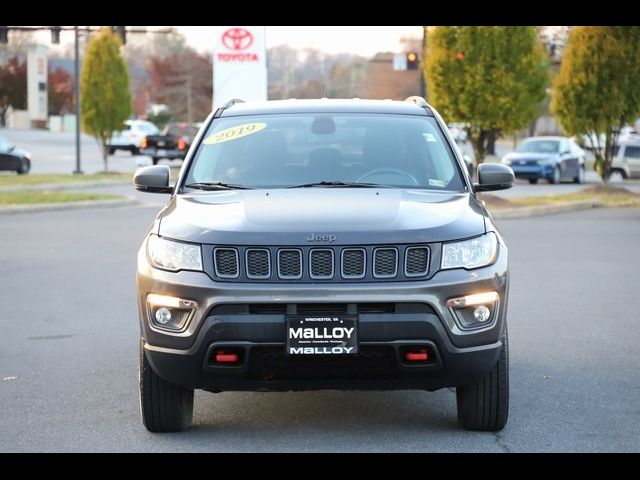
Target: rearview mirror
[[494, 176], [154, 179]]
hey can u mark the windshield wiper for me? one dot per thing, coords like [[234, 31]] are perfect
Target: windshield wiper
[[217, 186], [337, 183]]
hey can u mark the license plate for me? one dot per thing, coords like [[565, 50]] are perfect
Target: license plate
[[161, 144], [322, 335], [161, 152]]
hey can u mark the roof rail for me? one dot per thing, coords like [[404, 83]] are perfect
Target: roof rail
[[421, 102], [232, 102], [229, 104]]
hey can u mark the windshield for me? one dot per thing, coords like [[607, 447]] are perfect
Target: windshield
[[539, 146], [285, 150], [5, 145]]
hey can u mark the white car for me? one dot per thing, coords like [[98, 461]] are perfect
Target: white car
[[458, 132], [598, 141], [129, 137], [626, 161]]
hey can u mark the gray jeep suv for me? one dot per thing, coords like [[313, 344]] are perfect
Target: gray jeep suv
[[323, 244]]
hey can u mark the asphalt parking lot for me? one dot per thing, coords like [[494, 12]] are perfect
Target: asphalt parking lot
[[69, 333], [54, 152]]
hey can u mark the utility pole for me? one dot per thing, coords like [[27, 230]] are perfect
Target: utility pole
[[189, 101], [76, 69], [423, 85]]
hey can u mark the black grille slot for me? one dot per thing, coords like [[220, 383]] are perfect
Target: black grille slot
[[385, 262], [272, 363], [353, 263], [376, 307], [258, 265], [417, 261], [226, 262], [321, 264], [305, 308], [268, 308], [290, 263]]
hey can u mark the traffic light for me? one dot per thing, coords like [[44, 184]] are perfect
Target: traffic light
[[55, 34], [122, 31], [4, 35], [412, 61]]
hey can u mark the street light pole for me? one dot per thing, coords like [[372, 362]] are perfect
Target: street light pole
[[76, 68], [423, 85]]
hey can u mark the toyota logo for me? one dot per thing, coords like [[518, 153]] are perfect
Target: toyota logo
[[237, 38]]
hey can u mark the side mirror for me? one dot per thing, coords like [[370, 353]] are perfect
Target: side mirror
[[494, 176], [154, 179]]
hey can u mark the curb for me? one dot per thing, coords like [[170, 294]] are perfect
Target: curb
[[524, 212], [56, 207], [64, 186]]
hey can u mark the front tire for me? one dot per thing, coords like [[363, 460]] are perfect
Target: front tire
[[24, 168], [164, 407], [112, 151], [533, 181], [484, 405], [555, 179]]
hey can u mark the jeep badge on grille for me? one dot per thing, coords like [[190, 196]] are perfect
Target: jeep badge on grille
[[314, 237]]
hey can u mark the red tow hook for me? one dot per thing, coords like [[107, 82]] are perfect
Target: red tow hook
[[417, 356], [222, 357]]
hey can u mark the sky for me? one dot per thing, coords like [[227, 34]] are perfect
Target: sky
[[358, 40]]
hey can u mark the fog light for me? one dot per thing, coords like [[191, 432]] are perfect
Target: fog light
[[474, 311], [481, 313], [170, 313], [163, 316]]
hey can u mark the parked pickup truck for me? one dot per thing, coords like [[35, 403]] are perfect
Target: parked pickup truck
[[172, 143]]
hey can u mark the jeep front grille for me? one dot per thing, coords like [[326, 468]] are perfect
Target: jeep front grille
[[226, 262], [416, 261], [321, 264], [353, 262], [258, 263], [289, 263], [385, 262]]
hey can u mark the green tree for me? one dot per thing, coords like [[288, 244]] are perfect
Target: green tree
[[597, 90], [105, 96], [490, 78]]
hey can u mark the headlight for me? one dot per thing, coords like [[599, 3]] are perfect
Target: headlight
[[172, 255], [476, 252]]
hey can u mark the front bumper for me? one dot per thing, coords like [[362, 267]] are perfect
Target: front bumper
[[532, 171], [458, 356]]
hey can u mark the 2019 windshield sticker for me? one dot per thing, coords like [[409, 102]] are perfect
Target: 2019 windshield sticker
[[234, 133], [436, 183]]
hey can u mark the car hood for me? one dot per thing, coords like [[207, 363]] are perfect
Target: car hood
[[289, 216], [529, 156], [19, 152]]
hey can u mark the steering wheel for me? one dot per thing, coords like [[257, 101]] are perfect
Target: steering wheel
[[389, 170]]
